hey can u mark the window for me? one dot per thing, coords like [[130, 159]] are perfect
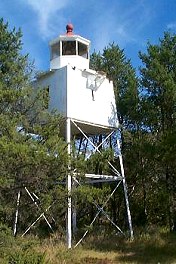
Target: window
[[68, 47], [82, 50], [55, 51], [47, 97]]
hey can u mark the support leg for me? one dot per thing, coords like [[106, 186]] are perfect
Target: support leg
[[69, 187], [125, 192], [74, 212], [16, 214]]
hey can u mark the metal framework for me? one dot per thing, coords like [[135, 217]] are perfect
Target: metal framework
[[72, 181], [35, 200], [118, 178]]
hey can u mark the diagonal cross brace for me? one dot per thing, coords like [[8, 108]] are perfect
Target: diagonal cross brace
[[96, 148], [42, 215], [100, 209], [35, 221], [121, 176]]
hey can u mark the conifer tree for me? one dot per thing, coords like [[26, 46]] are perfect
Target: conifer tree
[[158, 81], [33, 154], [118, 69]]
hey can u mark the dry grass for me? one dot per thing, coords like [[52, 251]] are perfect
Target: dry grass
[[156, 248], [147, 248], [60, 255]]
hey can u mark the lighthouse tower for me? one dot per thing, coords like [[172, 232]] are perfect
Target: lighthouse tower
[[75, 90], [69, 49], [86, 100]]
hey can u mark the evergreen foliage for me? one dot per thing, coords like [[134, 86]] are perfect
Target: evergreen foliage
[[33, 154], [146, 110], [158, 81]]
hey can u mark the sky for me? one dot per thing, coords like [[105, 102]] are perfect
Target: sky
[[128, 23]]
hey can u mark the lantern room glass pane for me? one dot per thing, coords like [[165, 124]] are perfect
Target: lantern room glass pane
[[82, 50], [55, 51], [68, 47]]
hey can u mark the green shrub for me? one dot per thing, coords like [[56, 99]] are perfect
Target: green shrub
[[6, 237], [18, 250], [26, 257]]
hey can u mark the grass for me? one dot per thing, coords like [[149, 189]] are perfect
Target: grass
[[151, 247]]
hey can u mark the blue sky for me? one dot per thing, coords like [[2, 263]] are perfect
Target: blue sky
[[129, 23]]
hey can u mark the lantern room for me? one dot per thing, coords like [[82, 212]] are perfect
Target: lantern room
[[69, 49], [75, 90]]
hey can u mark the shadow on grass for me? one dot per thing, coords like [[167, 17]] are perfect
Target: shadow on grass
[[144, 249], [148, 253], [91, 260]]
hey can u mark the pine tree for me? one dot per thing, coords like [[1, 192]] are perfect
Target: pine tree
[[158, 81], [33, 154], [119, 69]]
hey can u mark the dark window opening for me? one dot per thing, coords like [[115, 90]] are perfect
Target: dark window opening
[[55, 51], [47, 98], [82, 50], [68, 47]]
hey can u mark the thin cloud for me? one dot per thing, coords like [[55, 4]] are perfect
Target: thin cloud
[[172, 26], [47, 13], [120, 24]]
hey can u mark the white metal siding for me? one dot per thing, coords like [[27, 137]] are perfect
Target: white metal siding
[[71, 95]]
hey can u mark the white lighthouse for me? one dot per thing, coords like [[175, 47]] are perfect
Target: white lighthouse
[[75, 90], [86, 100]]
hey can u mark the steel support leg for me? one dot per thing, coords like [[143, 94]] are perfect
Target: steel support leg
[[69, 186]]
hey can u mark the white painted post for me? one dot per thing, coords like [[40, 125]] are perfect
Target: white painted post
[[125, 191], [69, 187], [76, 47], [16, 214], [74, 220], [74, 213]]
